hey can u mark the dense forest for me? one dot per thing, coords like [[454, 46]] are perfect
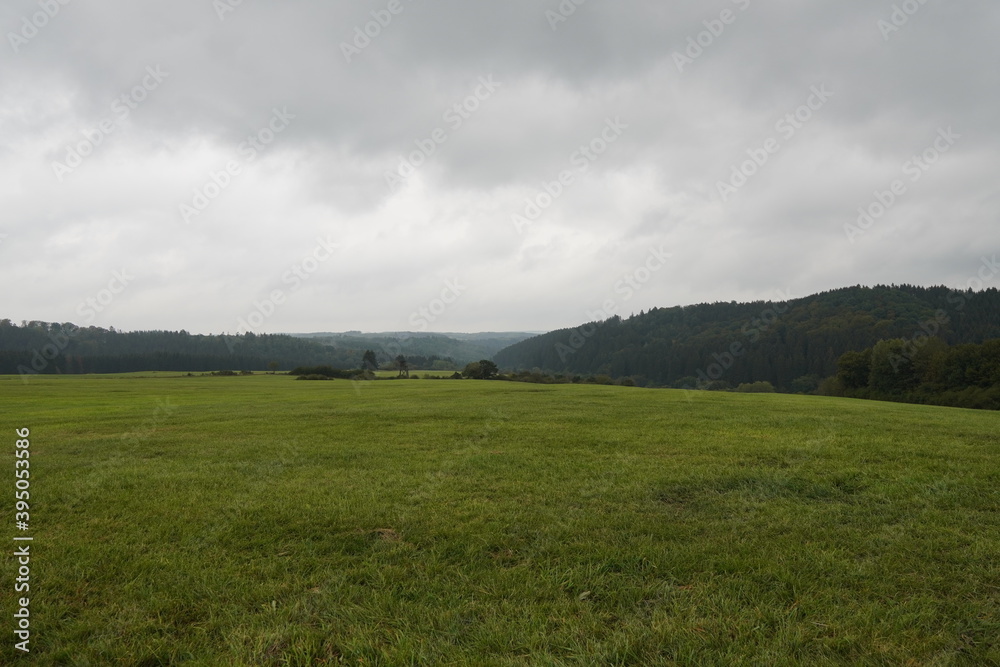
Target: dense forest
[[793, 345], [42, 347], [923, 370]]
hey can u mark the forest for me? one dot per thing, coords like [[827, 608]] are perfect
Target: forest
[[896, 342], [41, 347], [922, 370], [794, 345]]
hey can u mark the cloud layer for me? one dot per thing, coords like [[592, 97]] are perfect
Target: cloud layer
[[359, 161]]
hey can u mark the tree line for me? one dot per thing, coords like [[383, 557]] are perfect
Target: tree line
[[37, 347], [793, 345], [923, 370]]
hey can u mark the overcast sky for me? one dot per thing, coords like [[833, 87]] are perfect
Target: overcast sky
[[343, 165]]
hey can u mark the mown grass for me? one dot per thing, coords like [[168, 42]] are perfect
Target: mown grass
[[263, 521]]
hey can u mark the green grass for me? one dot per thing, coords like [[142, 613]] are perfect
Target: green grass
[[263, 521]]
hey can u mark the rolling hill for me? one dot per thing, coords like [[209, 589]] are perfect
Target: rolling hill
[[791, 344]]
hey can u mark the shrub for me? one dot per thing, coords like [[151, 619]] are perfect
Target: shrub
[[807, 384], [831, 386], [327, 371], [763, 387]]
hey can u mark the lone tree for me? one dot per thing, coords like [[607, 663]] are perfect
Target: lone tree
[[404, 367], [484, 369], [369, 362]]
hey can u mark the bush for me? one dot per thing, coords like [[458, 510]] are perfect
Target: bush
[[312, 376], [328, 372], [763, 387], [831, 386], [686, 382], [807, 384]]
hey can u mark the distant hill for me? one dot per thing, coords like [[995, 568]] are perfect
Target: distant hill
[[792, 344], [459, 347], [50, 347]]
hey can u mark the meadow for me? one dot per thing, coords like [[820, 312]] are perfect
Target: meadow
[[260, 520]]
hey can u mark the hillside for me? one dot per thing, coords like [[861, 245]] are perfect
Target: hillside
[[48, 347], [459, 347], [792, 344]]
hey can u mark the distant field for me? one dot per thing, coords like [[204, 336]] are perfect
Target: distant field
[[265, 521]]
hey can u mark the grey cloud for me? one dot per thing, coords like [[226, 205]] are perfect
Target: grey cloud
[[355, 121]]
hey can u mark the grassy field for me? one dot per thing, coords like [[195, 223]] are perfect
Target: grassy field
[[264, 521]]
